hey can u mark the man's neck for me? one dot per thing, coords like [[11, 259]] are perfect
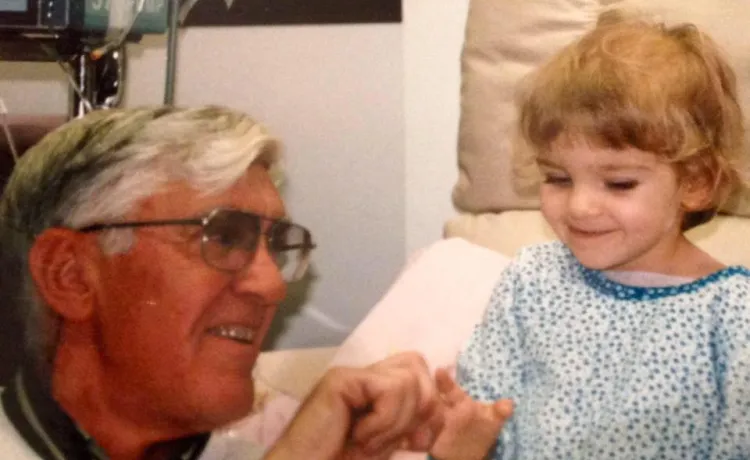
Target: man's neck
[[119, 425]]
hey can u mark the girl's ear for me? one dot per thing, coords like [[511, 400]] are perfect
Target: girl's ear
[[57, 263], [697, 191]]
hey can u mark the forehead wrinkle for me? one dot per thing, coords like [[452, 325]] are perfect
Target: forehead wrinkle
[[261, 186]]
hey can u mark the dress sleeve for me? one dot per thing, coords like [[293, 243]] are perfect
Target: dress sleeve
[[491, 366]]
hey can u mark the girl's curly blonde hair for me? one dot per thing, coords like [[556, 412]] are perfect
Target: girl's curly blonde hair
[[633, 83]]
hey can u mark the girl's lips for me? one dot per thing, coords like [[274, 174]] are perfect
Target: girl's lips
[[586, 232]]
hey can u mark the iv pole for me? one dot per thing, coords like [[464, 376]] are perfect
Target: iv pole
[[100, 82], [169, 86]]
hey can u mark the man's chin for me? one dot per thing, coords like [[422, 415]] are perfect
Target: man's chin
[[220, 417], [233, 401]]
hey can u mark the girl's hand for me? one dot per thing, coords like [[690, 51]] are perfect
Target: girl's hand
[[471, 428]]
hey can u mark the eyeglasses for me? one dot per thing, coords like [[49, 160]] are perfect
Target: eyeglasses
[[230, 239]]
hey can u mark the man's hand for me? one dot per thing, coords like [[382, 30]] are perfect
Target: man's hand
[[365, 413]]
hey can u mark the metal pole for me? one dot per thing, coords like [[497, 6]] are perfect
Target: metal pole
[[173, 11], [85, 80]]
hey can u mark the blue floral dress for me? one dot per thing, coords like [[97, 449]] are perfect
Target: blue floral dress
[[601, 370]]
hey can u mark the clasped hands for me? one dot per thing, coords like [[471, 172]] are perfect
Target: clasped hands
[[369, 413]]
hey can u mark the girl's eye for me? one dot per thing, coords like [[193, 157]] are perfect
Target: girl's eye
[[621, 185], [557, 180]]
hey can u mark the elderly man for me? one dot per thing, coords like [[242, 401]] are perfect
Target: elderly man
[[152, 249]]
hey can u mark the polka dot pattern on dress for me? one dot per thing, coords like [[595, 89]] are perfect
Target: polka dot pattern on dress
[[603, 370]]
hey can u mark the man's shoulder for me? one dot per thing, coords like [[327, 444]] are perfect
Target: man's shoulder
[[12, 445]]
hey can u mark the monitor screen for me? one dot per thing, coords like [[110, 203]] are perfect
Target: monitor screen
[[14, 5]]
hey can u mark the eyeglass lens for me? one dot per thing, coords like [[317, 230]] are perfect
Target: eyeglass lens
[[230, 239]]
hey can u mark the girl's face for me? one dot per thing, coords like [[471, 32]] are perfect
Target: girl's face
[[615, 209]]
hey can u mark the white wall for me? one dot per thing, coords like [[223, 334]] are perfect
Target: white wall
[[433, 37], [33, 88], [368, 114]]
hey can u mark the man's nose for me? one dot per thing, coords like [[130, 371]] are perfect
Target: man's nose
[[262, 277]]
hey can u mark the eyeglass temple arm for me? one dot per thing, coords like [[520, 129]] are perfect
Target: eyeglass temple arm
[[152, 223]]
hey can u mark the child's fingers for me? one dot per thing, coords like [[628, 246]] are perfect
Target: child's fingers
[[443, 380], [503, 409], [449, 390]]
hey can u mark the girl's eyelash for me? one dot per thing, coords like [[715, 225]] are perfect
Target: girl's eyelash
[[622, 185], [616, 185], [556, 180]]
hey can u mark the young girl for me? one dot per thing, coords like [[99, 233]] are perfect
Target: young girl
[[623, 339]]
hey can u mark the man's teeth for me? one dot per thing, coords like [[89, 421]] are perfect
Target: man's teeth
[[236, 333]]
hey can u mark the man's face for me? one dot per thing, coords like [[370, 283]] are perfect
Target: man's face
[[162, 314]]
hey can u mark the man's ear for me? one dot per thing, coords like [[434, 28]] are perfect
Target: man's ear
[[57, 262]]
